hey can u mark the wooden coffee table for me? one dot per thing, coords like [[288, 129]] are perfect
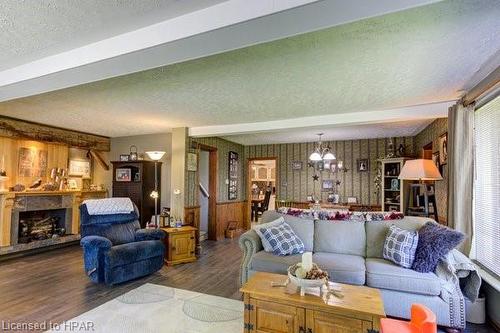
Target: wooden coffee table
[[271, 309]]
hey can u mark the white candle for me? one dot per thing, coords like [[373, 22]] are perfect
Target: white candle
[[307, 261]]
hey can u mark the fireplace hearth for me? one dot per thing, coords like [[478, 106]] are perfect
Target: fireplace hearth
[[41, 225], [40, 218]]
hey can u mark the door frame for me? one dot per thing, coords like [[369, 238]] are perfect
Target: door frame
[[249, 183], [212, 188]]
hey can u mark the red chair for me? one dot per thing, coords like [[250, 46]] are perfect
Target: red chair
[[422, 320]]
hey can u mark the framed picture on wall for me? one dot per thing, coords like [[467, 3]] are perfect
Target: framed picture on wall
[[233, 167], [123, 175], [72, 185], [79, 168], [192, 162], [327, 185], [363, 165], [333, 167], [435, 159], [443, 148], [296, 165], [32, 162]]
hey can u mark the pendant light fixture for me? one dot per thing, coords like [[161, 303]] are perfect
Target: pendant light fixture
[[321, 153]]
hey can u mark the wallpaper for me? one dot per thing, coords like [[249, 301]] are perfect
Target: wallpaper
[[223, 149], [431, 134], [296, 185]]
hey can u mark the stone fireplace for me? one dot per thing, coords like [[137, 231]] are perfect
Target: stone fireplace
[[41, 218], [30, 219]]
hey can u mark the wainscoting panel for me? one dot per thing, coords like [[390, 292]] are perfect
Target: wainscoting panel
[[231, 211]]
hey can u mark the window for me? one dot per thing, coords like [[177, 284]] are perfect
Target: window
[[487, 186]]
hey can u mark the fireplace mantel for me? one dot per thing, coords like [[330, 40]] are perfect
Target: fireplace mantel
[[8, 200]]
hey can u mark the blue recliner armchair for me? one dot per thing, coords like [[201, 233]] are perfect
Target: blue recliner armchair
[[116, 250]]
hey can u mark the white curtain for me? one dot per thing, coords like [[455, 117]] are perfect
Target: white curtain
[[461, 171]]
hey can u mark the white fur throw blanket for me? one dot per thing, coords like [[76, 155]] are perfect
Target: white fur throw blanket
[[462, 280], [109, 206]]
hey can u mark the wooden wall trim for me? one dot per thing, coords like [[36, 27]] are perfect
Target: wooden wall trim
[[225, 212], [21, 129], [230, 202]]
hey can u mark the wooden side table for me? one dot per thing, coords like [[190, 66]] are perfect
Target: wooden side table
[[180, 245]]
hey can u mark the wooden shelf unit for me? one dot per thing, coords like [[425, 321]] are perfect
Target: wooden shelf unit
[[393, 199]]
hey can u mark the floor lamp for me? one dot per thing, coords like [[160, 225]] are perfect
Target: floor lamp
[[155, 156], [421, 170]]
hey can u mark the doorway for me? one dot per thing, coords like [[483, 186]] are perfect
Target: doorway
[[207, 192], [262, 179], [427, 151]]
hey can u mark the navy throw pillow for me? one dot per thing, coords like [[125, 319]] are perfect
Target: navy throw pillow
[[434, 243]]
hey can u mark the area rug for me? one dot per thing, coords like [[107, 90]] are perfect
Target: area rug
[[154, 308]]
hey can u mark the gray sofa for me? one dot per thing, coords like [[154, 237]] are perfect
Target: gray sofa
[[351, 252]]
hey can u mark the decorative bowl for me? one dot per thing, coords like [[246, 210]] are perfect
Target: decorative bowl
[[304, 283]]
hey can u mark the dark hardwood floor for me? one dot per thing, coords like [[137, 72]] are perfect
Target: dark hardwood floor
[[52, 286]]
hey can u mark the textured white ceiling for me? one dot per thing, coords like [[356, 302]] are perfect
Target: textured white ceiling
[[34, 29], [417, 56], [308, 134]]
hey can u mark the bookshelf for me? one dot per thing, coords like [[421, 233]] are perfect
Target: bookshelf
[[394, 190]]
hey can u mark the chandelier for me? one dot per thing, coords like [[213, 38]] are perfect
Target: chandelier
[[321, 153]]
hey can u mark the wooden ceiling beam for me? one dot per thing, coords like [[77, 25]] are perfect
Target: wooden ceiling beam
[[21, 129]]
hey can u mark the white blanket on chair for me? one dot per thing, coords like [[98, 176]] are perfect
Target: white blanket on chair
[[109, 206]]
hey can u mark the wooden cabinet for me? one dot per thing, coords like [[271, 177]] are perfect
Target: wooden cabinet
[[322, 322], [136, 180], [269, 317], [275, 317], [180, 245]]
